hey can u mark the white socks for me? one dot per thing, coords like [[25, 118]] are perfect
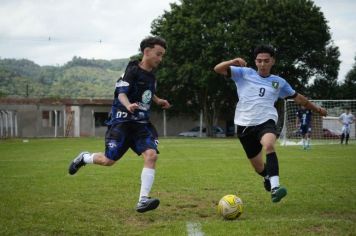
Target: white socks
[[88, 158], [147, 178], [274, 181]]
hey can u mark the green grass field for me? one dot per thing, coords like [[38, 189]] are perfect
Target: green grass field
[[38, 197]]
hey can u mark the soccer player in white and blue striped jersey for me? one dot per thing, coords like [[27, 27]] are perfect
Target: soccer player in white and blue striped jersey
[[255, 114], [346, 119]]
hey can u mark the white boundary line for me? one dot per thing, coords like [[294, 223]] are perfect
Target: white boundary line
[[194, 229]]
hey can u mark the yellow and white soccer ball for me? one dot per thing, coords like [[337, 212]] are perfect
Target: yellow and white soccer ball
[[230, 207]]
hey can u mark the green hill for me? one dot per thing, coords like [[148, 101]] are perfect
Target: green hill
[[79, 78]]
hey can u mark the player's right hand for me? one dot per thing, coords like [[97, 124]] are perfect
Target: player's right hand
[[239, 62], [132, 107]]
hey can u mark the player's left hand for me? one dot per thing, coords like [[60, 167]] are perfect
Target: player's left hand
[[323, 111], [164, 104]]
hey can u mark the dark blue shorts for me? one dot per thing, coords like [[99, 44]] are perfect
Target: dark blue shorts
[[304, 129], [122, 136]]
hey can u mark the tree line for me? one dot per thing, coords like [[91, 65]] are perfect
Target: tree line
[[200, 34]]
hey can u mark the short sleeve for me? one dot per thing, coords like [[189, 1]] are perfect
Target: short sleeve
[[124, 84], [286, 91], [236, 73]]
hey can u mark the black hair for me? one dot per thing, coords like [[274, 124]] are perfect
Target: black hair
[[264, 49], [151, 41]]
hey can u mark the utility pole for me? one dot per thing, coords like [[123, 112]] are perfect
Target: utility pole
[[27, 90]]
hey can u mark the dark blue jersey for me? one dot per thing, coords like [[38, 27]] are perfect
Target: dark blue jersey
[[139, 86], [304, 116]]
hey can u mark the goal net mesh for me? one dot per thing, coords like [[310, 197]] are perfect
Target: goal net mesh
[[324, 130]]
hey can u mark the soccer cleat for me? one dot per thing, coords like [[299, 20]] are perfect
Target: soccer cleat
[[147, 204], [77, 163], [278, 193], [267, 184]]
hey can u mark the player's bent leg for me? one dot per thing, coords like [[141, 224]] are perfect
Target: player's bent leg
[[268, 140], [259, 166], [278, 193], [147, 178], [347, 138], [101, 159], [257, 163], [77, 163], [342, 138], [147, 204], [87, 158], [150, 158], [309, 140]]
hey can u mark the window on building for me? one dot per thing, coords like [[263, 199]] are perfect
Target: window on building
[[100, 118], [45, 119], [49, 118]]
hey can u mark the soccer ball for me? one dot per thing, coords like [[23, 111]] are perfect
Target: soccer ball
[[230, 207]]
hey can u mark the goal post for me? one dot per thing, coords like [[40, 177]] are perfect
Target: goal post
[[324, 130]]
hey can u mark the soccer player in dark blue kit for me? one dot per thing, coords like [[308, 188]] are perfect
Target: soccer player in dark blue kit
[[303, 122], [129, 126]]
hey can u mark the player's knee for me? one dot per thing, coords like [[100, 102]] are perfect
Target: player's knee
[[150, 155], [109, 162], [269, 147], [153, 156]]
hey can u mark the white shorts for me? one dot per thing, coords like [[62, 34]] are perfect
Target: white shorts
[[346, 129]]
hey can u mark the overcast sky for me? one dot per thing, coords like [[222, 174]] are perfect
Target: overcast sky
[[51, 32]]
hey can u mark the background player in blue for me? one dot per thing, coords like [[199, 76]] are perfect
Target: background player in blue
[[303, 122], [129, 126], [255, 114]]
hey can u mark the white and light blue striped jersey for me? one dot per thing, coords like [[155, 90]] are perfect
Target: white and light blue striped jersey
[[346, 118], [257, 96]]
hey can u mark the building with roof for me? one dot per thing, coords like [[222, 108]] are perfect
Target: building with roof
[[50, 117]]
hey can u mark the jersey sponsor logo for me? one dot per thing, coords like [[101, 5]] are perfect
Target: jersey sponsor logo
[[112, 145], [143, 107], [146, 96], [275, 84], [122, 84]]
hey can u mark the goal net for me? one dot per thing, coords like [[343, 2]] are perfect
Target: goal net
[[324, 130]]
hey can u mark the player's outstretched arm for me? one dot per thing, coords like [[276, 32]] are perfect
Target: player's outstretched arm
[[301, 100], [222, 67]]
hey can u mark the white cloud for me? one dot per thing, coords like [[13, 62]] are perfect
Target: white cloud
[[341, 17], [77, 26]]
